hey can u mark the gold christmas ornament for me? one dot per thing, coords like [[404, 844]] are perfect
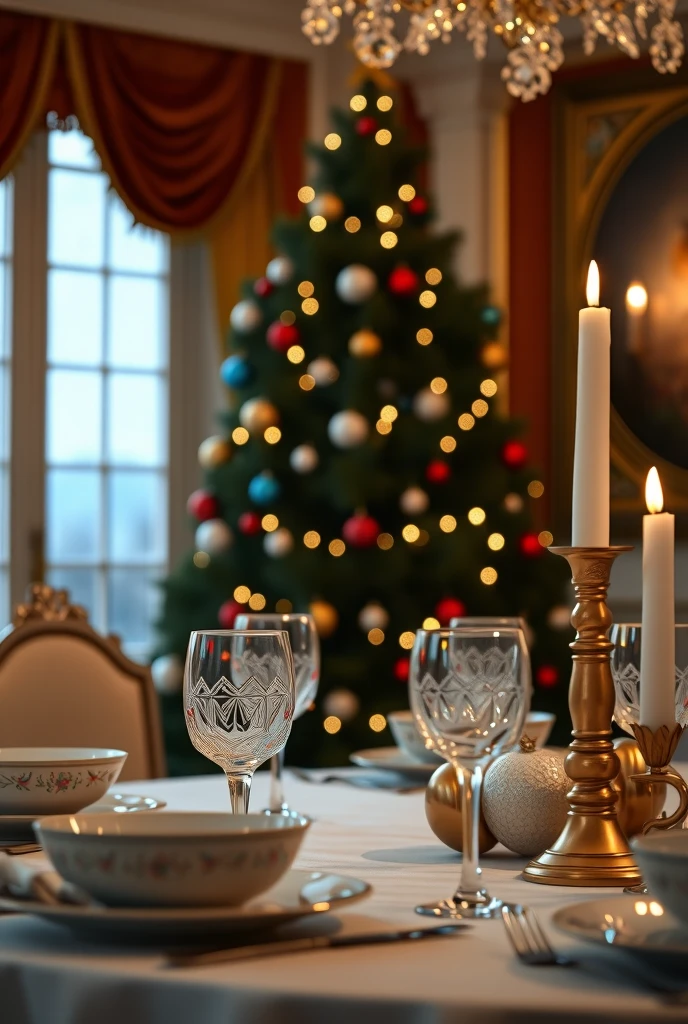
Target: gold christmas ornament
[[327, 205], [494, 355], [326, 617], [443, 811], [257, 414], [364, 344], [638, 800], [214, 451]]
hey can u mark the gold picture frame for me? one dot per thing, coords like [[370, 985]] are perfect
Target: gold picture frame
[[596, 139]]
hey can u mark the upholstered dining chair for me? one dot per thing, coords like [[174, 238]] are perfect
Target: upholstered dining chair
[[64, 684]]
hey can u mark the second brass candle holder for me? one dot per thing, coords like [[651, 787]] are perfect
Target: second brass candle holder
[[657, 748], [592, 849]]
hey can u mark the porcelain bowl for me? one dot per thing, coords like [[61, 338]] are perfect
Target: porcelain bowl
[[55, 780], [663, 860], [172, 859], [538, 726]]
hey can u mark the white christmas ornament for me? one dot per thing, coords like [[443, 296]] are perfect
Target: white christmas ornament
[[304, 459], [373, 616], [257, 414], [355, 283], [348, 429], [323, 371], [168, 673], [280, 270], [429, 407], [524, 798], [279, 543], [213, 536], [342, 703], [245, 316], [414, 501]]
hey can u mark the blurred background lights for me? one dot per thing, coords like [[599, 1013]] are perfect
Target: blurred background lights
[[296, 354], [448, 443], [272, 435], [407, 639], [431, 622], [466, 421], [388, 240], [311, 539], [377, 723], [427, 299], [241, 595], [333, 141], [240, 435], [385, 541], [376, 637], [310, 306], [438, 385], [385, 103], [479, 407], [384, 214], [447, 524], [545, 538], [352, 225], [305, 289], [488, 576], [488, 388], [318, 223], [256, 602], [306, 194], [269, 523], [332, 724], [336, 547], [358, 103], [383, 137], [201, 559], [536, 489], [389, 413], [424, 336], [433, 276], [407, 193], [410, 533], [476, 516], [306, 382], [495, 542]]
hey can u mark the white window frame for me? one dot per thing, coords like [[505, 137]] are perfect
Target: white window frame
[[193, 391]]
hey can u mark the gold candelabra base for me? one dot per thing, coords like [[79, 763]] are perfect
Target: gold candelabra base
[[592, 849], [657, 748]]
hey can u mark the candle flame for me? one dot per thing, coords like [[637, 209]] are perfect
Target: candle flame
[[636, 298], [592, 288], [654, 498]]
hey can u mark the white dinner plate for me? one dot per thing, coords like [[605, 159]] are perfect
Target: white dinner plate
[[19, 827], [297, 894], [634, 924], [394, 759]]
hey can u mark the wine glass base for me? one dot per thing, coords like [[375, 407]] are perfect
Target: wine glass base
[[285, 811], [640, 889], [458, 906]]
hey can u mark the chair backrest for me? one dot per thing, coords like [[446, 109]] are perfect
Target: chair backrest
[[64, 684]]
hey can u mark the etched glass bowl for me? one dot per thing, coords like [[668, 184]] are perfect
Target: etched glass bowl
[[625, 662]]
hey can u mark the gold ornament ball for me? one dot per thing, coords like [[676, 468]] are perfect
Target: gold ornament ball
[[638, 801], [257, 414], [364, 344], [494, 355], [326, 205], [326, 617], [213, 451], [443, 811]]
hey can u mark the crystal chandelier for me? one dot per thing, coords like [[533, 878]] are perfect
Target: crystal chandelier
[[528, 29]]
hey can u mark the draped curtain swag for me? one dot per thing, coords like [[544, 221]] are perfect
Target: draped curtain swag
[[196, 140]]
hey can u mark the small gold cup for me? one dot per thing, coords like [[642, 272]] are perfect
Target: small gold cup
[[658, 747]]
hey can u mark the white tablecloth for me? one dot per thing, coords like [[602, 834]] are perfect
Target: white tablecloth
[[46, 977]]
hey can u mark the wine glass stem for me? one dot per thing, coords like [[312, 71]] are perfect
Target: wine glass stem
[[276, 784], [471, 875], [239, 792]]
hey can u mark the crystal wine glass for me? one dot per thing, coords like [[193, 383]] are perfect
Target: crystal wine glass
[[469, 695], [625, 663], [305, 647], [239, 701], [500, 622]]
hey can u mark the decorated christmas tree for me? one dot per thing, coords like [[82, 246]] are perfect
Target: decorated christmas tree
[[364, 471]]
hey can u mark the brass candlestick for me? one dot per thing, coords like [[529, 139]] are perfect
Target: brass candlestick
[[592, 849], [657, 748]]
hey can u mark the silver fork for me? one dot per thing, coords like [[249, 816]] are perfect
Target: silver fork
[[529, 940]]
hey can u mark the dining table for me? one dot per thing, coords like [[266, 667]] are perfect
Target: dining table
[[48, 976]]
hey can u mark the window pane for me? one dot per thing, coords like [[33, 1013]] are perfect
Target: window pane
[[4, 599], [73, 515], [134, 247], [4, 326], [82, 585], [133, 601], [5, 217], [137, 517], [4, 515], [72, 149], [135, 435], [74, 416], [76, 218], [75, 317], [4, 413], [136, 322]]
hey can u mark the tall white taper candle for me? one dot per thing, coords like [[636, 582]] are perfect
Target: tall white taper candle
[[590, 511], [657, 641]]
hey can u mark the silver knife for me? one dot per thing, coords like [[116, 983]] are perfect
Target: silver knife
[[226, 956]]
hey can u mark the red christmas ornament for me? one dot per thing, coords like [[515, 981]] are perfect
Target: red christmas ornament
[[282, 336], [249, 523], [438, 472], [449, 608], [228, 613], [203, 505], [401, 669], [403, 282], [547, 676], [418, 206], [262, 287], [514, 454], [361, 531], [530, 545], [366, 125]]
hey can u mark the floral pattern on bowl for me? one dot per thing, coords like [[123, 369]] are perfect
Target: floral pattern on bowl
[[35, 780]]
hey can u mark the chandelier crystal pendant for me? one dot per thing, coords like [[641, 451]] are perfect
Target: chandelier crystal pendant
[[528, 29]]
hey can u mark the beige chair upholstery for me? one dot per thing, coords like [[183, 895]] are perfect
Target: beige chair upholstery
[[63, 684]]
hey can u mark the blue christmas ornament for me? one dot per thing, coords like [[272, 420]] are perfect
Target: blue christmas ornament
[[264, 489], [491, 315], [237, 372]]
